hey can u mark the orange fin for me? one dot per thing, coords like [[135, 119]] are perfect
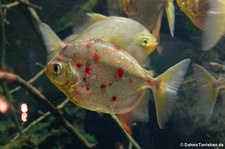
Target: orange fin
[[123, 118], [138, 114], [156, 29]]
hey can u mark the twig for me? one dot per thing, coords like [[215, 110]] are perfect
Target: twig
[[30, 81], [10, 5], [18, 2], [130, 138], [3, 48], [26, 2], [10, 77], [60, 106]]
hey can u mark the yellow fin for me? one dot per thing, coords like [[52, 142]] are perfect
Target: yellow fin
[[90, 19], [214, 24], [207, 91], [156, 28], [170, 16], [51, 40], [165, 91]]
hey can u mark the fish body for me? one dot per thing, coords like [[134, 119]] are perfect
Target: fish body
[[123, 32], [99, 76], [103, 81], [208, 89], [149, 13], [196, 10]]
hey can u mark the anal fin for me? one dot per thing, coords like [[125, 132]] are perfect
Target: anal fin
[[138, 114]]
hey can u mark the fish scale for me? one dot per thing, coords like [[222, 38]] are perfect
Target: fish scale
[[108, 69]]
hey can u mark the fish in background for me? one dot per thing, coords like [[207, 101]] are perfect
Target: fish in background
[[149, 13], [208, 89], [99, 76], [196, 10], [214, 24], [207, 15], [126, 33]]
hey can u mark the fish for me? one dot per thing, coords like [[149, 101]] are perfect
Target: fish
[[98, 76], [214, 24], [208, 88], [149, 13], [196, 11], [126, 33]]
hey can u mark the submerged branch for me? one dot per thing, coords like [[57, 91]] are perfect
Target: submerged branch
[[60, 106], [29, 81], [10, 77], [18, 2], [10, 5], [29, 4], [3, 66]]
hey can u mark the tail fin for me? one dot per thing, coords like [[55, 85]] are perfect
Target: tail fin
[[165, 92], [208, 88], [214, 24]]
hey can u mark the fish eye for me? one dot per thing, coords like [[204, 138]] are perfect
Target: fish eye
[[57, 68], [144, 42]]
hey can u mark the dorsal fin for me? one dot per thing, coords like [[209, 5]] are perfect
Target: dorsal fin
[[90, 19], [51, 40], [170, 11]]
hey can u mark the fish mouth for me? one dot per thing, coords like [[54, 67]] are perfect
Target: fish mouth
[[151, 48]]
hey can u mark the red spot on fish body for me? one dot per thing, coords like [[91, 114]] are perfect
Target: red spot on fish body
[[89, 45], [110, 84], [78, 64], [116, 48], [84, 79], [119, 72], [87, 69], [103, 86], [87, 88], [149, 81], [96, 57], [114, 98]]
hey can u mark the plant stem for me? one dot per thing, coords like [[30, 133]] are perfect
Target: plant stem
[[3, 56]]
